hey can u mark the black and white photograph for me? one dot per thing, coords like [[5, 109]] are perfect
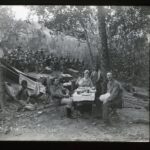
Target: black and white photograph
[[74, 73]]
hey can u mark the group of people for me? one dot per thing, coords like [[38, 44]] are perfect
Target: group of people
[[30, 61], [105, 105], [62, 96]]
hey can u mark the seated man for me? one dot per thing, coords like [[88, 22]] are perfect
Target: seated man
[[22, 96], [113, 97], [60, 95], [85, 81]]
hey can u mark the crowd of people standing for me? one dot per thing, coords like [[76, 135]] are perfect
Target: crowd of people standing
[[36, 61]]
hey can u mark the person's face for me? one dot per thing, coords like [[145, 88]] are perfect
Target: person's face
[[24, 86], [109, 76], [86, 75]]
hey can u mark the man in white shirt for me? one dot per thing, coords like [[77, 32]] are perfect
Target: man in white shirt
[[86, 80], [114, 100]]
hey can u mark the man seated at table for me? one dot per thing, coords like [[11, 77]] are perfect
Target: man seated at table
[[85, 81], [60, 96], [112, 99]]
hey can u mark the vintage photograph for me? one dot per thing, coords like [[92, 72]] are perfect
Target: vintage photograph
[[74, 73]]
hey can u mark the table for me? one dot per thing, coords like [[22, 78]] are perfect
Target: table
[[84, 96]]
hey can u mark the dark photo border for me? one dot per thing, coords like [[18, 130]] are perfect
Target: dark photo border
[[73, 145]]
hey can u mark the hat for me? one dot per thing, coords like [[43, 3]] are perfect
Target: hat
[[86, 71]]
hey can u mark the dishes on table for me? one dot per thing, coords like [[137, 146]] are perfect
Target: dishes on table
[[85, 90]]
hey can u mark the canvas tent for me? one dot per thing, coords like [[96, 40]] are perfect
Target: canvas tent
[[14, 75]]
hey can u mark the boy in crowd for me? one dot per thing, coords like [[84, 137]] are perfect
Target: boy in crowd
[[23, 96]]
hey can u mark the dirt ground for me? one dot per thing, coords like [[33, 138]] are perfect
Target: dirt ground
[[51, 125]]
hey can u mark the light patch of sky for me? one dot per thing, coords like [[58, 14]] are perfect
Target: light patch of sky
[[22, 12]]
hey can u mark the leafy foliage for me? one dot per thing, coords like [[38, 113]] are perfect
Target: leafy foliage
[[128, 45], [74, 31]]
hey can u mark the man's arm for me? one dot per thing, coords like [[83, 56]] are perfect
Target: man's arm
[[55, 93], [115, 92], [29, 95], [18, 94], [104, 85], [79, 81], [91, 83]]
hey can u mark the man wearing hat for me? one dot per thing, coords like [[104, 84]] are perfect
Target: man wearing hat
[[112, 99]]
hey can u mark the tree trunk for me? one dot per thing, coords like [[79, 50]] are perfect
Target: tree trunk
[[104, 53], [89, 46], [87, 41], [1, 84]]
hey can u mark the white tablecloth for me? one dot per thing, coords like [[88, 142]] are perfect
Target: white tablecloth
[[84, 96]]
